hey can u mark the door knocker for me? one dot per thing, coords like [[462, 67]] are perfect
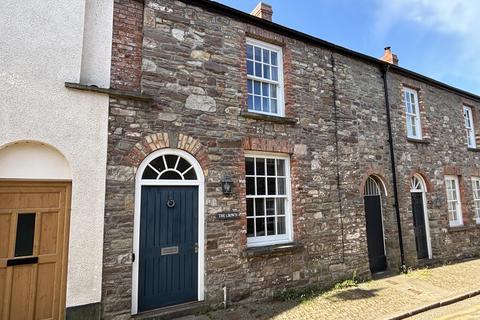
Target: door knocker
[[171, 203]]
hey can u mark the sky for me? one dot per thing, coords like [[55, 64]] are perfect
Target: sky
[[437, 38]]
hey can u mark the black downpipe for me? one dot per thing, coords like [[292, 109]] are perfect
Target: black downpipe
[[385, 69]]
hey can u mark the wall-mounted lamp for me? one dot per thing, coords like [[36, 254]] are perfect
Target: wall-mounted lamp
[[227, 185]]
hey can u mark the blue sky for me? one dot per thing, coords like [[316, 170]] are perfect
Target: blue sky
[[437, 38]]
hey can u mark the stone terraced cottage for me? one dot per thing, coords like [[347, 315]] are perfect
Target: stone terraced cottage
[[245, 158]]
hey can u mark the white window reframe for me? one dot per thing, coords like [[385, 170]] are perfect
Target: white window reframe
[[476, 197], [459, 217], [288, 236], [469, 126], [279, 83], [415, 114]]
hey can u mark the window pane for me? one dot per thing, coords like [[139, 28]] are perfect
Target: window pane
[[271, 167], [250, 166], [281, 186], [260, 186], [171, 161], [260, 224], [266, 56], [250, 227], [271, 226], [249, 51], [258, 54], [250, 86], [260, 167], [266, 71], [258, 69], [250, 68], [280, 206], [265, 89], [259, 207], [271, 186], [270, 206], [170, 175], [250, 185], [273, 106], [250, 102], [25, 234], [258, 103], [149, 173], [158, 164], [275, 73], [257, 87], [281, 225], [190, 175], [280, 167], [274, 59], [250, 207], [273, 90], [183, 165], [266, 105]]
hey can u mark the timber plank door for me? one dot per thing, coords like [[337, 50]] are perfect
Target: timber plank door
[[34, 224], [374, 224], [168, 261], [419, 225]]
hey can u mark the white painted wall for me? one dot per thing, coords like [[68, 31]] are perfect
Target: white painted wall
[[42, 45]]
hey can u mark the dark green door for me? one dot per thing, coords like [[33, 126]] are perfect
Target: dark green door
[[419, 225], [168, 259], [375, 242]]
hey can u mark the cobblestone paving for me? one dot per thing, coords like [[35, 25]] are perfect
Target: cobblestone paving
[[464, 310], [378, 299]]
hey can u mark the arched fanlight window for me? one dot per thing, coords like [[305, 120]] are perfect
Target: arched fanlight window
[[371, 187], [417, 184], [169, 167]]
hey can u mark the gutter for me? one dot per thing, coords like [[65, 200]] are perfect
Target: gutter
[[238, 15], [385, 70]]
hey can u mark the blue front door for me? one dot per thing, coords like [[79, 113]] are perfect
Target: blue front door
[[168, 259]]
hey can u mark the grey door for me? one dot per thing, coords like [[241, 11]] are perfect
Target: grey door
[[168, 259], [419, 225], [375, 242]]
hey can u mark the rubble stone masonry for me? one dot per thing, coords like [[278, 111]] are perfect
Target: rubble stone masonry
[[193, 64]]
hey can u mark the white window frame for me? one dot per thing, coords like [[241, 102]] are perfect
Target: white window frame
[[469, 127], [416, 114], [476, 197], [459, 221], [279, 83], [288, 236]]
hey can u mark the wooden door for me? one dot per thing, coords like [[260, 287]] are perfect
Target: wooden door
[[34, 224], [168, 260], [419, 225], [375, 241]]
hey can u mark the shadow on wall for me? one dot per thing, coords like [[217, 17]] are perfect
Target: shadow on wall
[[33, 160]]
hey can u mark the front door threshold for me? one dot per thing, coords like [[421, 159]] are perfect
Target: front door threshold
[[175, 311]]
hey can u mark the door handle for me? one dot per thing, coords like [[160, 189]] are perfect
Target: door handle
[[21, 261]]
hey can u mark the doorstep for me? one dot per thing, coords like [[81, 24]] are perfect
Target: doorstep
[[175, 311]]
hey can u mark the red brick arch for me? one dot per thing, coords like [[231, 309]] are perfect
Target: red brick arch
[[162, 140]]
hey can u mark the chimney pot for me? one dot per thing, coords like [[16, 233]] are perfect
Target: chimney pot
[[263, 10], [390, 57]]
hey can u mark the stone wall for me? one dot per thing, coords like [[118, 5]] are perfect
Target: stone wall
[[194, 66]]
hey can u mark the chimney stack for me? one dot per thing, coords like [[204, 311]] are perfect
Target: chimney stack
[[263, 10], [390, 57]]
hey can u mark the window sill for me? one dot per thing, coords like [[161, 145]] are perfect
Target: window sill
[[473, 149], [265, 117], [277, 249], [422, 141], [460, 228]]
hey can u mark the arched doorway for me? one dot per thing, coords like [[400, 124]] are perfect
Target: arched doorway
[[420, 217], [169, 231], [374, 222]]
